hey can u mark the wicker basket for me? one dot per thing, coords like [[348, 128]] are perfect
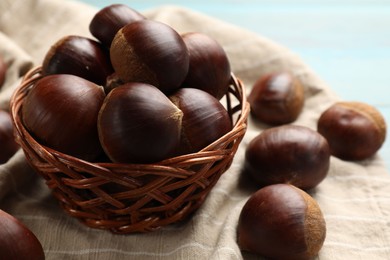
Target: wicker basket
[[128, 198]]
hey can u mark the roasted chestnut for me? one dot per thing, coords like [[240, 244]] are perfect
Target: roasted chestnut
[[290, 154], [17, 241], [80, 56], [61, 112], [354, 130], [281, 221], [3, 70], [109, 20], [209, 68], [277, 98], [205, 119], [138, 124], [7, 141], [150, 52]]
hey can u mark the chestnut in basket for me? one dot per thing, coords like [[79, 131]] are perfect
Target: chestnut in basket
[[205, 119], [277, 98], [7, 141], [3, 70], [354, 130], [281, 221], [109, 20], [17, 241], [61, 112], [290, 154], [80, 56], [209, 65], [150, 52], [138, 124]]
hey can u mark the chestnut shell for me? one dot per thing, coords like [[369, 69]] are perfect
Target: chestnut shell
[[138, 124], [277, 98], [61, 112], [3, 70], [354, 130], [205, 119], [110, 19], [288, 154], [17, 241], [80, 56], [281, 221], [7, 140], [150, 52], [209, 68]]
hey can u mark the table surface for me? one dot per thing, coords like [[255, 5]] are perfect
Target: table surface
[[346, 42]]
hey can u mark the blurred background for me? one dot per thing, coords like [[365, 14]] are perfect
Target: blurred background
[[346, 42]]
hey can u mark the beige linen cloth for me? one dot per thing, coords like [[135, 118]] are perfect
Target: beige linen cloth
[[355, 197]]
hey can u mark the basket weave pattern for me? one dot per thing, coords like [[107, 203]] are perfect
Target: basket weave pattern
[[128, 198]]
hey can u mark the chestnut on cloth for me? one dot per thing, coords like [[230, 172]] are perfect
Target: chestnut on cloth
[[354, 197]]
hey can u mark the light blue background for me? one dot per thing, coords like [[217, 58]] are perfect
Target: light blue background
[[346, 42]]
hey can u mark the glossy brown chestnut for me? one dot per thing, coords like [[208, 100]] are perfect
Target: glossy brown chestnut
[[17, 241], [277, 98], [288, 154], [109, 20], [7, 141], [3, 70], [150, 52], [78, 56], [61, 112], [354, 130], [138, 124], [281, 221], [209, 65], [205, 119]]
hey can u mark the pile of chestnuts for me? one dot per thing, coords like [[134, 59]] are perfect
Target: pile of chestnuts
[[281, 220], [140, 93]]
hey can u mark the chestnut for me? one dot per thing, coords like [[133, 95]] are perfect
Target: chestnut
[[110, 19], [137, 123], [61, 112], [205, 119], [281, 221], [354, 130], [80, 56], [276, 98], [209, 68], [3, 70], [150, 52], [8, 144], [17, 241], [290, 154]]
